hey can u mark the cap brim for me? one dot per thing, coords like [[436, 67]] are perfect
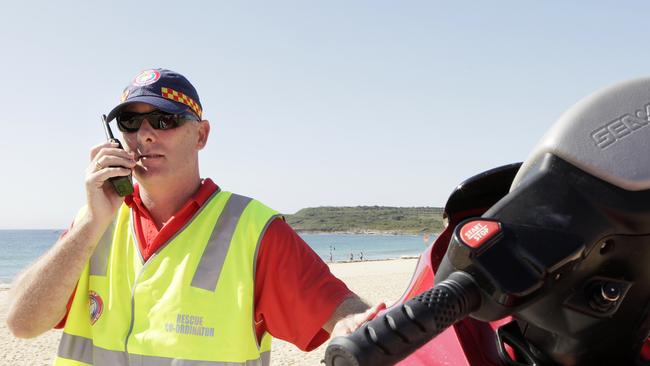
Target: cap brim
[[163, 104]]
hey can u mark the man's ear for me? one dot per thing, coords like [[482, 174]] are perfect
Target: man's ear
[[204, 132]]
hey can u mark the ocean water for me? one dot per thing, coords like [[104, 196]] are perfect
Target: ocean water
[[344, 247], [19, 248]]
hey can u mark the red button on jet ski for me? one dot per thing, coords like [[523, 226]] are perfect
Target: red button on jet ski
[[478, 232]]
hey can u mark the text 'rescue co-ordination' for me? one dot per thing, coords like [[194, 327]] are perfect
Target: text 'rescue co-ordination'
[[190, 325]]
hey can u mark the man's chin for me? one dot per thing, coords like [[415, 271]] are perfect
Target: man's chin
[[145, 174]]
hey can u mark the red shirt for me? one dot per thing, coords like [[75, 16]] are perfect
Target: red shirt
[[295, 292]]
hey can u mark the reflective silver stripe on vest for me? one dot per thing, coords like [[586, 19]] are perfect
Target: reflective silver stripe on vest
[[105, 357], [211, 263], [99, 259], [81, 349], [264, 360], [76, 348]]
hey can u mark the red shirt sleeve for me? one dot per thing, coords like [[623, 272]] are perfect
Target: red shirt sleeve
[[295, 292]]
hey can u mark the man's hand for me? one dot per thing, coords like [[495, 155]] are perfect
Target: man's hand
[[107, 160], [352, 322], [350, 315]]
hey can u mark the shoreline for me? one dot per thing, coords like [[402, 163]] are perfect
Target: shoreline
[[315, 232], [365, 232], [7, 286], [367, 260]]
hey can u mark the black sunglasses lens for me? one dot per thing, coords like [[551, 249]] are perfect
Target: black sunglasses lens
[[128, 122], [131, 122], [164, 121]]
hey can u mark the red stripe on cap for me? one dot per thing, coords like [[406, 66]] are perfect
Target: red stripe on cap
[[181, 98]]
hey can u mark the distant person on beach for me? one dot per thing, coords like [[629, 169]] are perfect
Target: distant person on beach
[[179, 271], [351, 256], [361, 256]]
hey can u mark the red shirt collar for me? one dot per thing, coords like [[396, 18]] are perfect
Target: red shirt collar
[[205, 191]]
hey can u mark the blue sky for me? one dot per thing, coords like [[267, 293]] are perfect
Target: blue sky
[[311, 103]]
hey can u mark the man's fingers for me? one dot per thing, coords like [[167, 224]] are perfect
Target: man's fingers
[[354, 322], [373, 311], [110, 149], [369, 314], [97, 148], [113, 161], [109, 155], [98, 178], [116, 152]]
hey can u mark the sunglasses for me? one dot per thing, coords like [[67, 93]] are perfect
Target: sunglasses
[[131, 121]]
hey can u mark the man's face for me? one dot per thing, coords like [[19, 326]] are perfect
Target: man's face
[[162, 155]]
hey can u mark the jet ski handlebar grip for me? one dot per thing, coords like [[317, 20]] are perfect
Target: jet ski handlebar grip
[[403, 329]]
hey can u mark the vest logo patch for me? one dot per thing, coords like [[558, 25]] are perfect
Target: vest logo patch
[[189, 324], [96, 306]]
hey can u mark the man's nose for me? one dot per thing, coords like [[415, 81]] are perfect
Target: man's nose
[[146, 133]]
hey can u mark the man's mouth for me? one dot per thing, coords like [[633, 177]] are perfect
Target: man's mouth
[[149, 156]]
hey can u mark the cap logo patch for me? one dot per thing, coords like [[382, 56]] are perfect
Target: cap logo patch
[[146, 77], [96, 306], [179, 97]]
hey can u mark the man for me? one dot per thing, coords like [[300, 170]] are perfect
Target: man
[[179, 272]]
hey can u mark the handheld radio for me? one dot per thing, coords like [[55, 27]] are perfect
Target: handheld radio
[[122, 185]]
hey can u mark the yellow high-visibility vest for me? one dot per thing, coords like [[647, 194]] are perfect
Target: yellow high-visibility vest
[[190, 304]]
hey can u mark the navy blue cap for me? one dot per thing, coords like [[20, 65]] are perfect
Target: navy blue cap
[[164, 89]]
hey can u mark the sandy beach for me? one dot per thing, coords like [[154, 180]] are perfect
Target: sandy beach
[[372, 280]]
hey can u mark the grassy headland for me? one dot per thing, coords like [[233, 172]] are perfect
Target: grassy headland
[[368, 219]]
